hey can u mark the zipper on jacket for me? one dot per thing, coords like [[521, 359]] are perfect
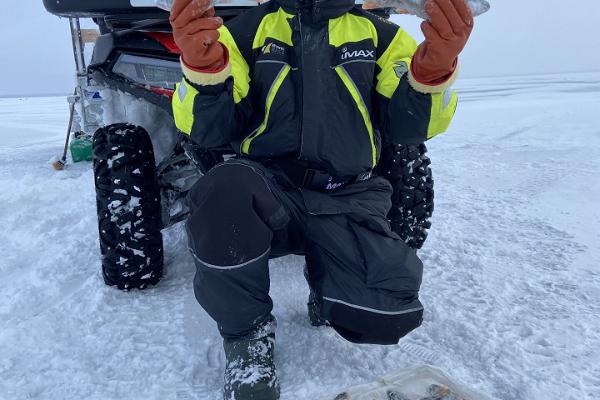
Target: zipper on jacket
[[301, 85]]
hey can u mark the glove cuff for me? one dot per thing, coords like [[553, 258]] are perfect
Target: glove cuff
[[208, 76], [436, 86]]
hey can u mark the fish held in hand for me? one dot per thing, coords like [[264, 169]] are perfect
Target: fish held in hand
[[417, 7]]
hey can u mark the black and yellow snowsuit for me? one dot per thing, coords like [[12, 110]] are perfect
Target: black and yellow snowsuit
[[320, 86]]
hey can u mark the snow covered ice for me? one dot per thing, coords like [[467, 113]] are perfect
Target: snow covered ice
[[511, 286]]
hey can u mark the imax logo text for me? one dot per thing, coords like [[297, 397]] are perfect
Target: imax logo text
[[358, 53]]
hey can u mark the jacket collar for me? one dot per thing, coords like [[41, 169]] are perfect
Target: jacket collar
[[317, 10]]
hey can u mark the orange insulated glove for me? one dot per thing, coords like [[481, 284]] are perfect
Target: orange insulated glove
[[446, 33], [195, 32]]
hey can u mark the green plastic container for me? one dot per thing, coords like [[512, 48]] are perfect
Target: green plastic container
[[81, 149]]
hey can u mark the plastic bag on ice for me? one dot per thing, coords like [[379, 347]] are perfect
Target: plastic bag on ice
[[420, 383]]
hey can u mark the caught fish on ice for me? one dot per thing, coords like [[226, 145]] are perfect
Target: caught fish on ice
[[417, 7]]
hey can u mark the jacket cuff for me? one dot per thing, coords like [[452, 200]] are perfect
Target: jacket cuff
[[205, 77], [437, 87]]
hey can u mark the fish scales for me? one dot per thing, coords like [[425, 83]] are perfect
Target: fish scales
[[417, 7]]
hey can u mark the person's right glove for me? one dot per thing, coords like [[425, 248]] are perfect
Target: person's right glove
[[446, 33], [195, 32]]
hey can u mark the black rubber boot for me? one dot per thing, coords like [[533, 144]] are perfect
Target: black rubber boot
[[314, 305], [250, 372]]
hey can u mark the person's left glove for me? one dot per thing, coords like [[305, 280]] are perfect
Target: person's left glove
[[195, 32], [446, 33]]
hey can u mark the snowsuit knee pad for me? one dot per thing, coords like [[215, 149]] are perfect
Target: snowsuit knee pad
[[233, 214]]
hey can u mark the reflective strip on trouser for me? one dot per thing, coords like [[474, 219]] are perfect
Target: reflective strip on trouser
[[230, 229], [364, 325], [236, 298]]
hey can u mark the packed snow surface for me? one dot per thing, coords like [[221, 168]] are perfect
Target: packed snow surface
[[511, 286]]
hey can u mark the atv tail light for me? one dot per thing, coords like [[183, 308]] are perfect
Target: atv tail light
[[150, 72]]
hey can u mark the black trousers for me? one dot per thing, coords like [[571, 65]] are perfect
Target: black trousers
[[243, 214]]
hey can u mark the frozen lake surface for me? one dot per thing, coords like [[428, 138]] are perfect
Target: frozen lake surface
[[511, 286]]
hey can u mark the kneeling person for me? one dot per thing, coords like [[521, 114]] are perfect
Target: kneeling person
[[310, 95]]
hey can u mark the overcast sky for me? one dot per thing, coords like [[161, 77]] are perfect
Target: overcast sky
[[515, 37]]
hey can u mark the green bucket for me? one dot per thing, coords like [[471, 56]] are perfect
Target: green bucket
[[81, 148]]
